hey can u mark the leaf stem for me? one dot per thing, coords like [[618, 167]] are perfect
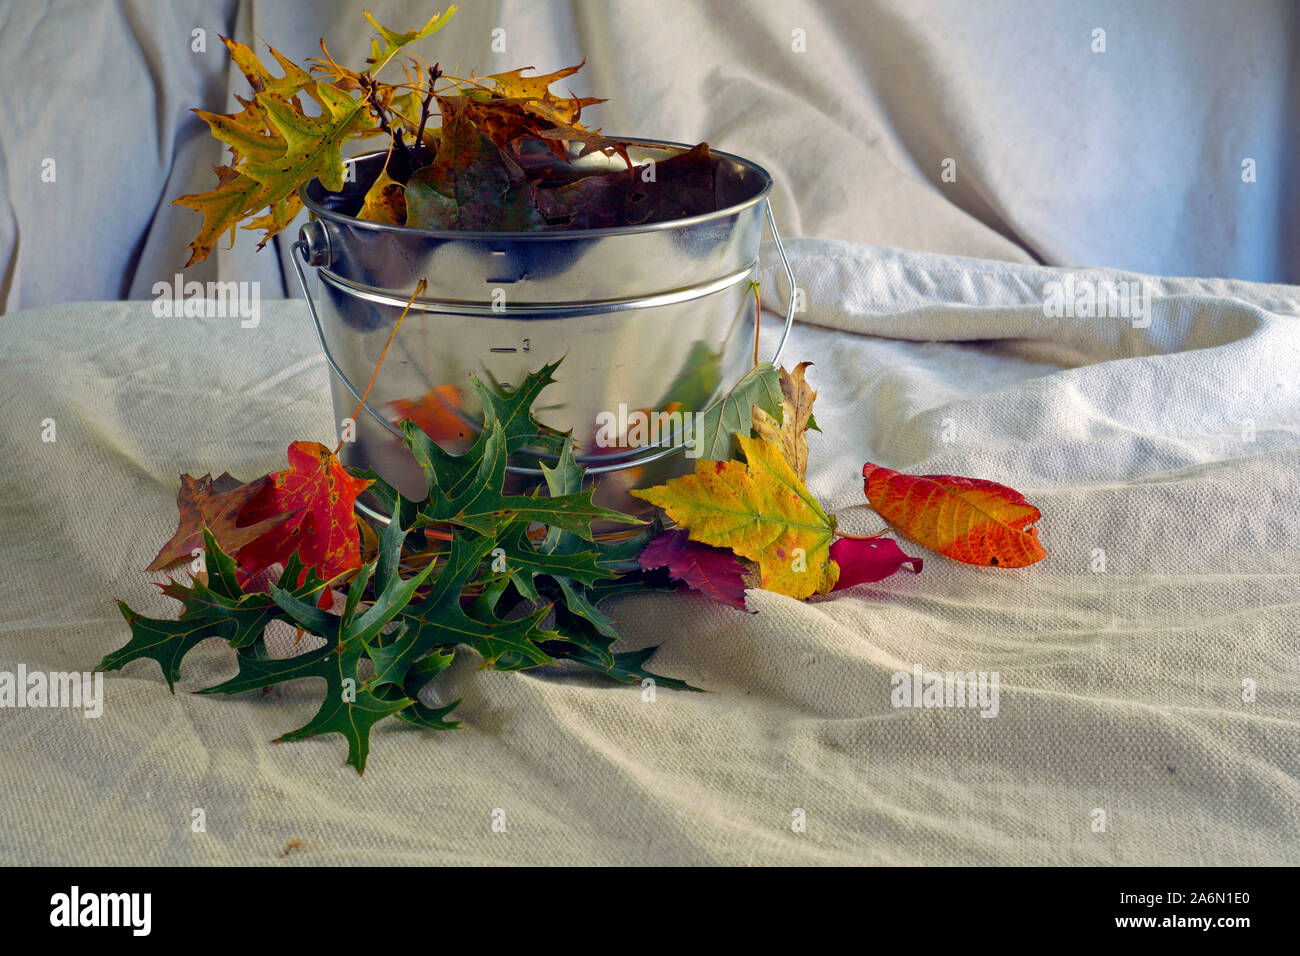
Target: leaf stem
[[419, 287], [861, 537], [758, 317]]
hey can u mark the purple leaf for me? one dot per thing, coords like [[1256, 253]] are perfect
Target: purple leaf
[[714, 571]]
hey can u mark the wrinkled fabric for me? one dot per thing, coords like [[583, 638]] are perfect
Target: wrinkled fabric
[[1163, 453], [1055, 150]]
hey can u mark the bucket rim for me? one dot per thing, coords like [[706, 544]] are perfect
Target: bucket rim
[[320, 212]]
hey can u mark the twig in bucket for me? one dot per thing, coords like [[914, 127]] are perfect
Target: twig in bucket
[[356, 416], [758, 317]]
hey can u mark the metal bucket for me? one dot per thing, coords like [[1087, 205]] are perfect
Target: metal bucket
[[657, 317]]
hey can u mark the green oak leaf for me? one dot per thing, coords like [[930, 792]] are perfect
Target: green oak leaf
[[217, 608], [350, 707], [479, 504], [420, 674], [587, 646], [439, 620]]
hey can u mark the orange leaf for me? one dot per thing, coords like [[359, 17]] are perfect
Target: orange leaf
[[968, 519], [436, 412], [323, 530]]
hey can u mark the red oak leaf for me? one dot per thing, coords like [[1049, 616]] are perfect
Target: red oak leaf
[[871, 560], [319, 495], [714, 571]]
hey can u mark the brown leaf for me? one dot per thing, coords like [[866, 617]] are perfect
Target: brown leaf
[[789, 434], [471, 184], [216, 503], [675, 188]]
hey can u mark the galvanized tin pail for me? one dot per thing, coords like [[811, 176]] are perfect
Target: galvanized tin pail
[[657, 317]]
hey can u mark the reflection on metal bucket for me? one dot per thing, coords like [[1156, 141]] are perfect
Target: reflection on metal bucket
[[655, 318]]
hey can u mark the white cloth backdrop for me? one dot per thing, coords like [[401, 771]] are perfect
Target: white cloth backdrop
[[1121, 689], [1129, 158]]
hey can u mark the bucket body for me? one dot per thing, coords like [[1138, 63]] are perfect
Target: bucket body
[[656, 318]]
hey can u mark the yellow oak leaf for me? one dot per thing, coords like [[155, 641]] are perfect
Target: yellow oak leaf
[[244, 133], [385, 201], [313, 144], [222, 209], [275, 221], [759, 509], [276, 147], [393, 41], [259, 78]]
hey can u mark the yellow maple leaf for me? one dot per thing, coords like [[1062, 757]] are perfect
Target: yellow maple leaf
[[759, 509]]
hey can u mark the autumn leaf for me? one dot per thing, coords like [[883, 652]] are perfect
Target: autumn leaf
[[592, 202], [215, 503], [535, 96], [313, 144], [761, 511], [222, 209], [385, 201], [436, 413], [683, 186], [261, 79], [968, 519], [796, 412], [275, 221], [471, 184], [732, 413], [253, 181], [863, 560], [716, 572], [513, 83], [323, 530], [394, 41]]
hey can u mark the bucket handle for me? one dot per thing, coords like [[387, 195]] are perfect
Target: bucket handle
[[313, 246]]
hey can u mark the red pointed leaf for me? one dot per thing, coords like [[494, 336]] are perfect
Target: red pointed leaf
[[874, 559], [968, 519], [319, 495], [714, 571]]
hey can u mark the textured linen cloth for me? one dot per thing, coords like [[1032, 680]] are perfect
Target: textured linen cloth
[[1167, 452], [1065, 154]]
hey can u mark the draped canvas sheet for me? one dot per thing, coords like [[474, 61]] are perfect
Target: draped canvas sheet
[[1131, 157], [1164, 460]]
